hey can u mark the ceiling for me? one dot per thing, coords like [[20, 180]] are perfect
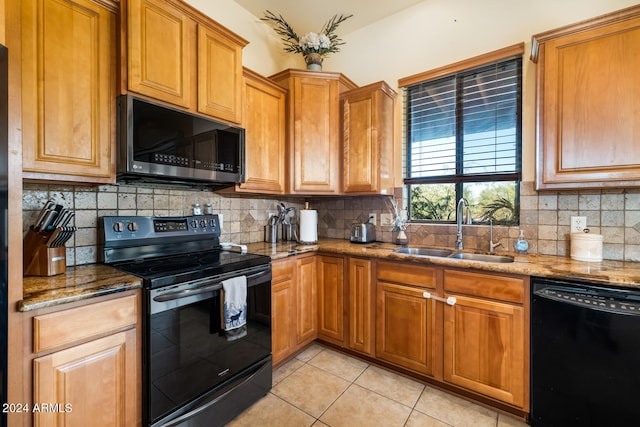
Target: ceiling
[[305, 16]]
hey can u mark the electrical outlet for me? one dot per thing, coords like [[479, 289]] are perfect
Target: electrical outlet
[[386, 220], [221, 220], [578, 223], [373, 218]]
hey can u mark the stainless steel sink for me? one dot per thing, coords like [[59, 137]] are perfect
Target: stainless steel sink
[[445, 253], [483, 258], [442, 253]]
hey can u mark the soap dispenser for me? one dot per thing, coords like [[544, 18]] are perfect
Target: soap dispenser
[[521, 246]]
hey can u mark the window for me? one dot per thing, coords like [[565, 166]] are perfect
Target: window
[[463, 138]]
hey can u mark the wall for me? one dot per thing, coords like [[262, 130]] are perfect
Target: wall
[[429, 35]]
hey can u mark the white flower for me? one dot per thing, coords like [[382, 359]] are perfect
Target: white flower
[[325, 43], [310, 41]]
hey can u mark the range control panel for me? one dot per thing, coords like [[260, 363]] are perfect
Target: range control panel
[[119, 228]]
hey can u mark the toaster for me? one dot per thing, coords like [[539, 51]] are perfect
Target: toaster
[[363, 233]]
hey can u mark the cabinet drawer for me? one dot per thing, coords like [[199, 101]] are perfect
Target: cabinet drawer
[[502, 288], [282, 270], [408, 274], [68, 326]]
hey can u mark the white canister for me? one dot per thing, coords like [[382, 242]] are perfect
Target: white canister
[[586, 247]]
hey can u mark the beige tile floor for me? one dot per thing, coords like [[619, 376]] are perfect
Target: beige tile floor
[[321, 387]]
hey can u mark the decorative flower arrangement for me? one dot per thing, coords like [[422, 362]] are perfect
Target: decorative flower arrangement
[[313, 46], [399, 223]]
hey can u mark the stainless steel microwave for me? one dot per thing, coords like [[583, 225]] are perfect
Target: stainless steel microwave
[[159, 144]]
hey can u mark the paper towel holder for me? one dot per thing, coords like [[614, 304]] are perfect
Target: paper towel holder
[[298, 233]]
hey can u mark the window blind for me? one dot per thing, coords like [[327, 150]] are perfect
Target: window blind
[[466, 124]]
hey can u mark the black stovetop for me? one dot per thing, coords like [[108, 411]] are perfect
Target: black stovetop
[[174, 269], [165, 251]]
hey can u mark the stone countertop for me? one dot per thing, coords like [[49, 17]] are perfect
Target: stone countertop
[[78, 283], [93, 280], [611, 273]]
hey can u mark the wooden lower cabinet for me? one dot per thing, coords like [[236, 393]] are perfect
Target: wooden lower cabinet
[[283, 309], [485, 336], [93, 383], [294, 312], [85, 370], [397, 312], [361, 306], [331, 299], [306, 298], [405, 320]]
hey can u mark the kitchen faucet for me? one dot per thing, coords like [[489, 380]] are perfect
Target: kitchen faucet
[[492, 246], [462, 204]]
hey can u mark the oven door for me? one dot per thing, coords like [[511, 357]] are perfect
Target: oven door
[[188, 355]]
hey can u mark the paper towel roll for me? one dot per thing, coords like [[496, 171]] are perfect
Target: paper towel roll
[[308, 226]]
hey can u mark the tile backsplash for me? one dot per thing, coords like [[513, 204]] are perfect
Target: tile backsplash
[[243, 217], [545, 217]]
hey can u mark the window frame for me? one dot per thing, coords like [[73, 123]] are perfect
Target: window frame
[[458, 70]]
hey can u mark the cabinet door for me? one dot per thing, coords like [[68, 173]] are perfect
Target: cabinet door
[[316, 145], [160, 51], [361, 308], [264, 123], [306, 306], [283, 312], [94, 383], [484, 348], [405, 327], [219, 75], [589, 106], [68, 89], [331, 299], [368, 139]]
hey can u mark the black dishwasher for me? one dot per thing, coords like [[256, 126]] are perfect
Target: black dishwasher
[[585, 354]]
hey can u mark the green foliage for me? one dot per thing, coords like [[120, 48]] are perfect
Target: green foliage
[[433, 202], [489, 201], [296, 44]]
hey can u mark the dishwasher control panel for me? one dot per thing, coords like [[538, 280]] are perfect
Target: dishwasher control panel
[[586, 299]]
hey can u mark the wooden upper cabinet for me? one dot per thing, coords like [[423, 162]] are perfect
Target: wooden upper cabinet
[[68, 89], [588, 111], [368, 139], [160, 61], [264, 123], [313, 128], [175, 54], [219, 75]]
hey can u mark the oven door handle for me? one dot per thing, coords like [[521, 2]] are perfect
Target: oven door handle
[[170, 296]]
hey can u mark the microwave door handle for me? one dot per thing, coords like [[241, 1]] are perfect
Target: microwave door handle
[[170, 296]]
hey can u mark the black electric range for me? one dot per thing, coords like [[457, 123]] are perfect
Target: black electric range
[[194, 371]]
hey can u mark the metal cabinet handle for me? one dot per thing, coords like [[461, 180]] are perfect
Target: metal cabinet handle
[[448, 300]]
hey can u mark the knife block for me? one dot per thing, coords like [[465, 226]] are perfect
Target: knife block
[[39, 259]]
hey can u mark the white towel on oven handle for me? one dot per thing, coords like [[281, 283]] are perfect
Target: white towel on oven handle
[[234, 302]]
